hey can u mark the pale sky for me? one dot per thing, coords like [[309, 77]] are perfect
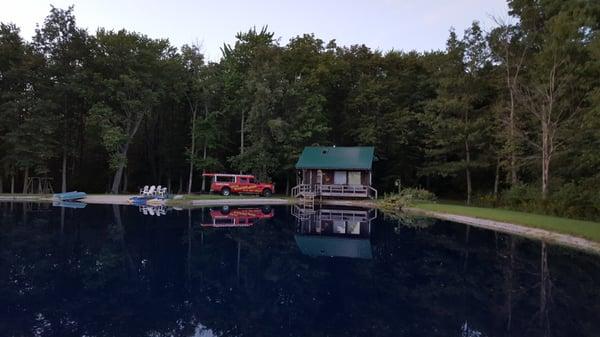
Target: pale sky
[[420, 25]]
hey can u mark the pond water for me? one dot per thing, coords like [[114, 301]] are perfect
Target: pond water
[[262, 271]]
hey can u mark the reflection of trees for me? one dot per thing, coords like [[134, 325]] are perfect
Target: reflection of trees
[[166, 276]]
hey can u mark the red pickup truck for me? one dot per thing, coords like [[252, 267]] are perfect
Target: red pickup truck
[[226, 184]]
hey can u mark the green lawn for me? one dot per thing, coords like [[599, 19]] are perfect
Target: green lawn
[[585, 229]]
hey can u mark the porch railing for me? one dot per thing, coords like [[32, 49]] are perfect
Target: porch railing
[[334, 190]]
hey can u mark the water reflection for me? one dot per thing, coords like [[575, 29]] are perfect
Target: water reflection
[[153, 210], [334, 232], [227, 216], [111, 271]]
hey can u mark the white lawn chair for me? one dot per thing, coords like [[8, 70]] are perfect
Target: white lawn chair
[[151, 191], [162, 191], [158, 189], [144, 191]]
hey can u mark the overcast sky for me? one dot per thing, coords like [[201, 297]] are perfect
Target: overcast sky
[[380, 24]]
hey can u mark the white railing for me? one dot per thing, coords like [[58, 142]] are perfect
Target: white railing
[[299, 190], [335, 190], [373, 193], [343, 190]]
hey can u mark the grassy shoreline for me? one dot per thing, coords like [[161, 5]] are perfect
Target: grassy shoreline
[[580, 228]]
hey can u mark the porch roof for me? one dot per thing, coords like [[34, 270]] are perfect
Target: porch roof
[[339, 157]]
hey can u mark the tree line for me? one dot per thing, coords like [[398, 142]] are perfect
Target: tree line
[[509, 111]]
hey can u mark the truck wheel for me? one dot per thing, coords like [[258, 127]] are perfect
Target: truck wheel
[[225, 210], [226, 191], [267, 193]]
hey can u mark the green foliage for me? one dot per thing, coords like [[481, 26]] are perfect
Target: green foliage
[[457, 121], [417, 194], [571, 200], [393, 204]]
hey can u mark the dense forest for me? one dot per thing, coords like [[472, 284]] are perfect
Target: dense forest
[[505, 115]]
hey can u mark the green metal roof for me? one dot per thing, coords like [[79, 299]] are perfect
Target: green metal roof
[[339, 157]]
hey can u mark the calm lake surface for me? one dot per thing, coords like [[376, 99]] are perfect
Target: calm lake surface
[[126, 271]]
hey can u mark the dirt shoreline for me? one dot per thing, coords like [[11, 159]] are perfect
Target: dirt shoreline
[[504, 227], [515, 229]]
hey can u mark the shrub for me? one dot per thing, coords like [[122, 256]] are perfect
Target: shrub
[[394, 203], [417, 194], [570, 200]]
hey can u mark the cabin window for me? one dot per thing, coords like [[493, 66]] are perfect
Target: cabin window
[[244, 180], [339, 227], [354, 178], [224, 179], [340, 178]]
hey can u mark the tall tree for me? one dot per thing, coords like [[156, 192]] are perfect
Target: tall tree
[[27, 126], [554, 92], [193, 62], [64, 47], [509, 49], [457, 117], [129, 79]]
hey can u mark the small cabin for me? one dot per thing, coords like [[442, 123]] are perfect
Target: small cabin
[[340, 172]]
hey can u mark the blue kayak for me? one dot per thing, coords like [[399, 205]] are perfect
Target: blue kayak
[[70, 196], [138, 201], [69, 204]]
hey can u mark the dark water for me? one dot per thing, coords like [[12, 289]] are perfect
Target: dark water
[[115, 271]]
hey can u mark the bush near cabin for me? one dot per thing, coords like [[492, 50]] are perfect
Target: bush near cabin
[[394, 203]]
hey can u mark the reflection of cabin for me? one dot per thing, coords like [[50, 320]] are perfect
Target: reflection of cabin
[[335, 172], [334, 232]]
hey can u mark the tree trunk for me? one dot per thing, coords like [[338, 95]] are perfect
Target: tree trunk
[[124, 187], [180, 184], [545, 159], [468, 171], [119, 173], [193, 149], [64, 171], [25, 179], [117, 180], [513, 153], [12, 183], [242, 136], [497, 179], [130, 134]]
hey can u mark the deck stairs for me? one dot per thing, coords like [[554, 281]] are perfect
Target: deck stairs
[[307, 195]]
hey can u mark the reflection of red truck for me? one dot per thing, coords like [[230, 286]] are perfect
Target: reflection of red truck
[[226, 184], [238, 217]]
